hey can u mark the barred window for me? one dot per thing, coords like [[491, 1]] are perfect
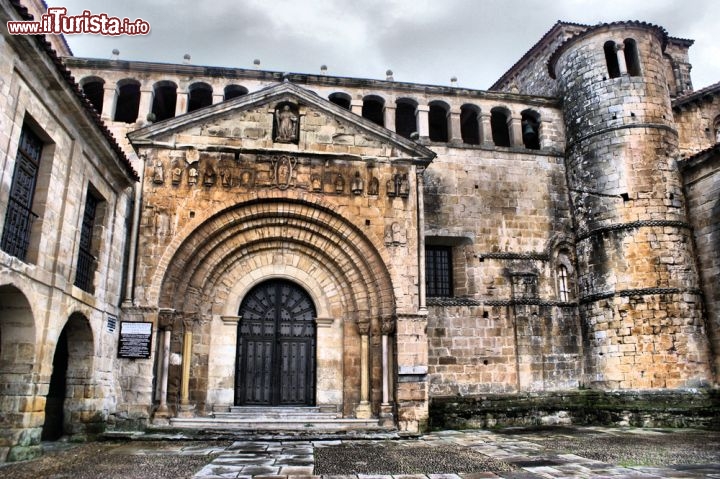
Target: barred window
[[438, 271], [87, 262], [19, 216], [563, 283]]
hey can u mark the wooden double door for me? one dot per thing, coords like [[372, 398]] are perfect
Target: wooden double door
[[276, 346]]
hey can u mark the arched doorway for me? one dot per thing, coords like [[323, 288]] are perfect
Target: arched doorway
[[276, 346], [66, 406]]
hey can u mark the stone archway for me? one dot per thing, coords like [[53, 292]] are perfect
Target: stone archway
[[18, 374], [338, 265], [66, 408]]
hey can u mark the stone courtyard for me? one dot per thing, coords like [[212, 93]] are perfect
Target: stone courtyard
[[569, 452]]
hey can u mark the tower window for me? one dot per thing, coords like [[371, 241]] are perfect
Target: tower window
[[372, 109], [164, 101], [499, 126], [128, 101], [530, 124], [340, 99], [438, 271], [632, 58], [200, 96], [234, 91], [469, 124], [438, 122], [611, 59], [94, 91], [405, 120], [563, 283]]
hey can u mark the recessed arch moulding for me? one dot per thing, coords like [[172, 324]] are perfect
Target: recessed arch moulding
[[342, 270]]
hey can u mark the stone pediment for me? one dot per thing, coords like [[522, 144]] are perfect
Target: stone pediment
[[284, 118]]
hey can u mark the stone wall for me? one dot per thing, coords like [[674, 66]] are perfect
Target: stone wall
[[662, 408], [701, 178], [38, 296], [698, 121]]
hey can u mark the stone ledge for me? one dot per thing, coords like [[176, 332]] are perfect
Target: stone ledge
[[660, 408]]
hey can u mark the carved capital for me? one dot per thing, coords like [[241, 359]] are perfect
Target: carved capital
[[166, 318], [363, 327], [388, 325]]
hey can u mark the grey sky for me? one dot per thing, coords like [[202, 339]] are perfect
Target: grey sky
[[422, 41]]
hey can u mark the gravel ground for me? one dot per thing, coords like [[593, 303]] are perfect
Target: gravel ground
[[398, 458], [111, 460], [633, 447]]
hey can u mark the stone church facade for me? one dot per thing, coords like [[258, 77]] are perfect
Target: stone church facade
[[397, 253]]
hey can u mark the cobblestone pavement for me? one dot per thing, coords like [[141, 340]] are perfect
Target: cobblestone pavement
[[509, 456]]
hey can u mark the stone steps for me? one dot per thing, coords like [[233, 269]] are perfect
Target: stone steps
[[278, 420]]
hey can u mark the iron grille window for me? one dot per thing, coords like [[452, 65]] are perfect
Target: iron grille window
[[19, 217], [438, 271], [563, 287], [86, 260]]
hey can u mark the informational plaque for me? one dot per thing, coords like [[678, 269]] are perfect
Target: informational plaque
[[135, 340]]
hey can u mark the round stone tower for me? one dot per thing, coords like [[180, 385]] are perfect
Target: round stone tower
[[640, 300]]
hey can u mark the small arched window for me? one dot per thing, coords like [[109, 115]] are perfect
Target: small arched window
[[611, 59], [469, 124], [234, 91], [200, 96], [405, 117], [127, 103], [164, 100], [530, 123], [563, 280], [716, 129], [632, 58], [340, 99], [372, 109], [94, 90], [499, 124]]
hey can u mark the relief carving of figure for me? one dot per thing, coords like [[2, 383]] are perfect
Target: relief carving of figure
[[283, 171], [404, 189], [316, 183], [193, 176], [158, 174], [209, 176], [395, 235], [374, 186], [287, 122], [226, 177], [339, 184], [176, 174], [357, 184]]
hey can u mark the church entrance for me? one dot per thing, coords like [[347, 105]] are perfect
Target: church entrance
[[276, 346]]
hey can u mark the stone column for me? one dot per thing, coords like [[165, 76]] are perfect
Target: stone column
[[485, 129], [363, 410], [186, 408], [423, 126], [419, 188], [515, 129], [386, 409], [621, 59], [389, 117], [108, 108], [356, 106], [218, 98], [181, 104], [145, 106], [454, 129], [165, 321]]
